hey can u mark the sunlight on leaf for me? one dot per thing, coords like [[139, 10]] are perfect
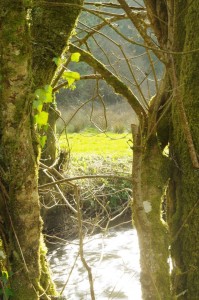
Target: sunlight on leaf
[[75, 56], [71, 77], [41, 118], [48, 89], [44, 95]]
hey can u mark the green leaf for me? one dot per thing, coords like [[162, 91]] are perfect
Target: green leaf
[[38, 105], [71, 77], [75, 56], [5, 274], [40, 94], [57, 61], [44, 95], [72, 87], [48, 88], [41, 118], [45, 127], [42, 140], [49, 98]]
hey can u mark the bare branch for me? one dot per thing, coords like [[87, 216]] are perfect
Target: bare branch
[[81, 245], [141, 23], [112, 80], [83, 177], [100, 26], [112, 5]]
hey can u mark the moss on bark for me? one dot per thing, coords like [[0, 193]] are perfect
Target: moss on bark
[[52, 26], [149, 180], [185, 188], [19, 201]]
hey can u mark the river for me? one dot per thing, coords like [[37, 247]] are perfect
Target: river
[[114, 260]]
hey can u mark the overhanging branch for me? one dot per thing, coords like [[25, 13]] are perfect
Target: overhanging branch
[[119, 86]]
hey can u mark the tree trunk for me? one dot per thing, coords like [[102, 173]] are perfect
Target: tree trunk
[[184, 185], [181, 19], [18, 161], [150, 173], [21, 73]]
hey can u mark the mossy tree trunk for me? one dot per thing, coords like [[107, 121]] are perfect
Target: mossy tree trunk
[[150, 178], [53, 22], [22, 71], [150, 174], [184, 184], [181, 19]]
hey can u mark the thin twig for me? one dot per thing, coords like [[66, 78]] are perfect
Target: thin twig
[[84, 177], [81, 245], [69, 275]]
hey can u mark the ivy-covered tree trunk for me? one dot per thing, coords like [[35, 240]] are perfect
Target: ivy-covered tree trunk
[[21, 73]]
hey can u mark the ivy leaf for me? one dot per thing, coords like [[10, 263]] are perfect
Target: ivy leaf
[[38, 105], [44, 95], [75, 57], [42, 140], [5, 274], [45, 127], [71, 77], [57, 61], [40, 94], [41, 118], [48, 97], [72, 87]]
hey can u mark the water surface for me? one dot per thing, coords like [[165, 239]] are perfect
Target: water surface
[[114, 259]]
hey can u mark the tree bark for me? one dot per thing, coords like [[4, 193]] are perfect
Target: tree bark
[[184, 187], [150, 174], [183, 203], [18, 162], [22, 71]]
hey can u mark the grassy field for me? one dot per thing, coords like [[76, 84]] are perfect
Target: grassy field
[[93, 153], [92, 143]]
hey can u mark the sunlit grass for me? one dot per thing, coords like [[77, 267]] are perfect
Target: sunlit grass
[[87, 143]]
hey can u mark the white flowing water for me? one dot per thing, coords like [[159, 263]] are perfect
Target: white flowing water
[[114, 260]]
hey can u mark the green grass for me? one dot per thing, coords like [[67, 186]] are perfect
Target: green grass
[[94, 153], [91, 143]]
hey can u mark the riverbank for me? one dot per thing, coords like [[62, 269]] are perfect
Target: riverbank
[[105, 201]]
